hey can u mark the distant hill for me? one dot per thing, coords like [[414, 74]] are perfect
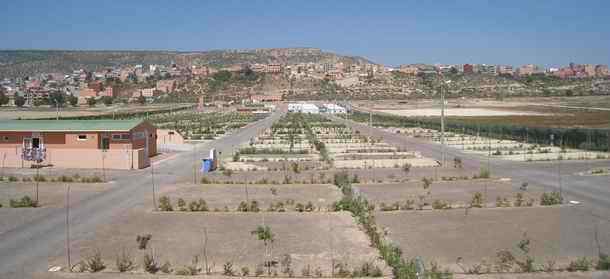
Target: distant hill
[[19, 63]]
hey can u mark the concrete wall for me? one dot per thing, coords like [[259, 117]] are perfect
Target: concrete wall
[[165, 136], [151, 137], [80, 158]]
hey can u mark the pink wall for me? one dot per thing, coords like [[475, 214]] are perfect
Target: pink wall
[[80, 158]]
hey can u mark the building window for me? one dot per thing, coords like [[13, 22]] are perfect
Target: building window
[[139, 135], [82, 137], [120, 136]]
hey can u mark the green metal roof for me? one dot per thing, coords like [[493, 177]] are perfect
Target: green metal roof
[[68, 125]]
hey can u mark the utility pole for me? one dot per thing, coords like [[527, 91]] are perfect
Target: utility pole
[[37, 180], [195, 164], [442, 127], [57, 106], [68, 227], [152, 182]]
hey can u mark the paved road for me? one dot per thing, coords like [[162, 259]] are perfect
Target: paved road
[[26, 248], [592, 191]]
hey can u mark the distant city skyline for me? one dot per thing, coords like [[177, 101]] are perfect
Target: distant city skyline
[[545, 33]]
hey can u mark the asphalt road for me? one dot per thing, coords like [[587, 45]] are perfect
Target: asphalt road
[[26, 248], [593, 192]]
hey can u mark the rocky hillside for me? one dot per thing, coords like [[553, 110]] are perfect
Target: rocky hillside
[[19, 63]]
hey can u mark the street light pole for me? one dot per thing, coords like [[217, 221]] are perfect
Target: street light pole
[[57, 106], [152, 181], [442, 127]]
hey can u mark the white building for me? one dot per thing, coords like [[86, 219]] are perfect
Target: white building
[[303, 108], [334, 109]]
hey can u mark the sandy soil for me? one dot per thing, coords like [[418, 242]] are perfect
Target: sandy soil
[[456, 193], [556, 233], [459, 112], [219, 196], [50, 194], [313, 239]]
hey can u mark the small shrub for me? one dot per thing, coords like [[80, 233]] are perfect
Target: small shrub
[[165, 204], [185, 271], [505, 260], [406, 167], [355, 179], [95, 262], [40, 178], [439, 204], [519, 201], [341, 270], [502, 202], [286, 263], [245, 271], [295, 167], [299, 207], [181, 204], [228, 269], [367, 269], [124, 262], [408, 205], [199, 205], [149, 264], [580, 264], [205, 180], [143, 240], [166, 268], [227, 172], [26, 179], [12, 179], [477, 200], [25, 201], [552, 198], [318, 272], [603, 263], [65, 179], [549, 266], [427, 182], [309, 207]]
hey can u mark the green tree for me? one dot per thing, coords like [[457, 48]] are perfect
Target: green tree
[[3, 99], [264, 233], [57, 98], [19, 101], [73, 100], [107, 100], [141, 100], [91, 102]]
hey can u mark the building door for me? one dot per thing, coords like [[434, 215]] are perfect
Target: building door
[[27, 143], [105, 143], [35, 142]]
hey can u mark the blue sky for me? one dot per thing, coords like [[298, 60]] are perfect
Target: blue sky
[[543, 32]]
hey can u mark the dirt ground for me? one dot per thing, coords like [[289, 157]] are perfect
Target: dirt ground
[[377, 175], [456, 193], [553, 275], [230, 195], [50, 194], [556, 233], [459, 112], [309, 239], [50, 112]]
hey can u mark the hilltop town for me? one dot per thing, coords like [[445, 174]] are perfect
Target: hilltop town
[[34, 78]]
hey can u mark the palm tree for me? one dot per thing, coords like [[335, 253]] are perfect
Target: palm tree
[[264, 233]]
